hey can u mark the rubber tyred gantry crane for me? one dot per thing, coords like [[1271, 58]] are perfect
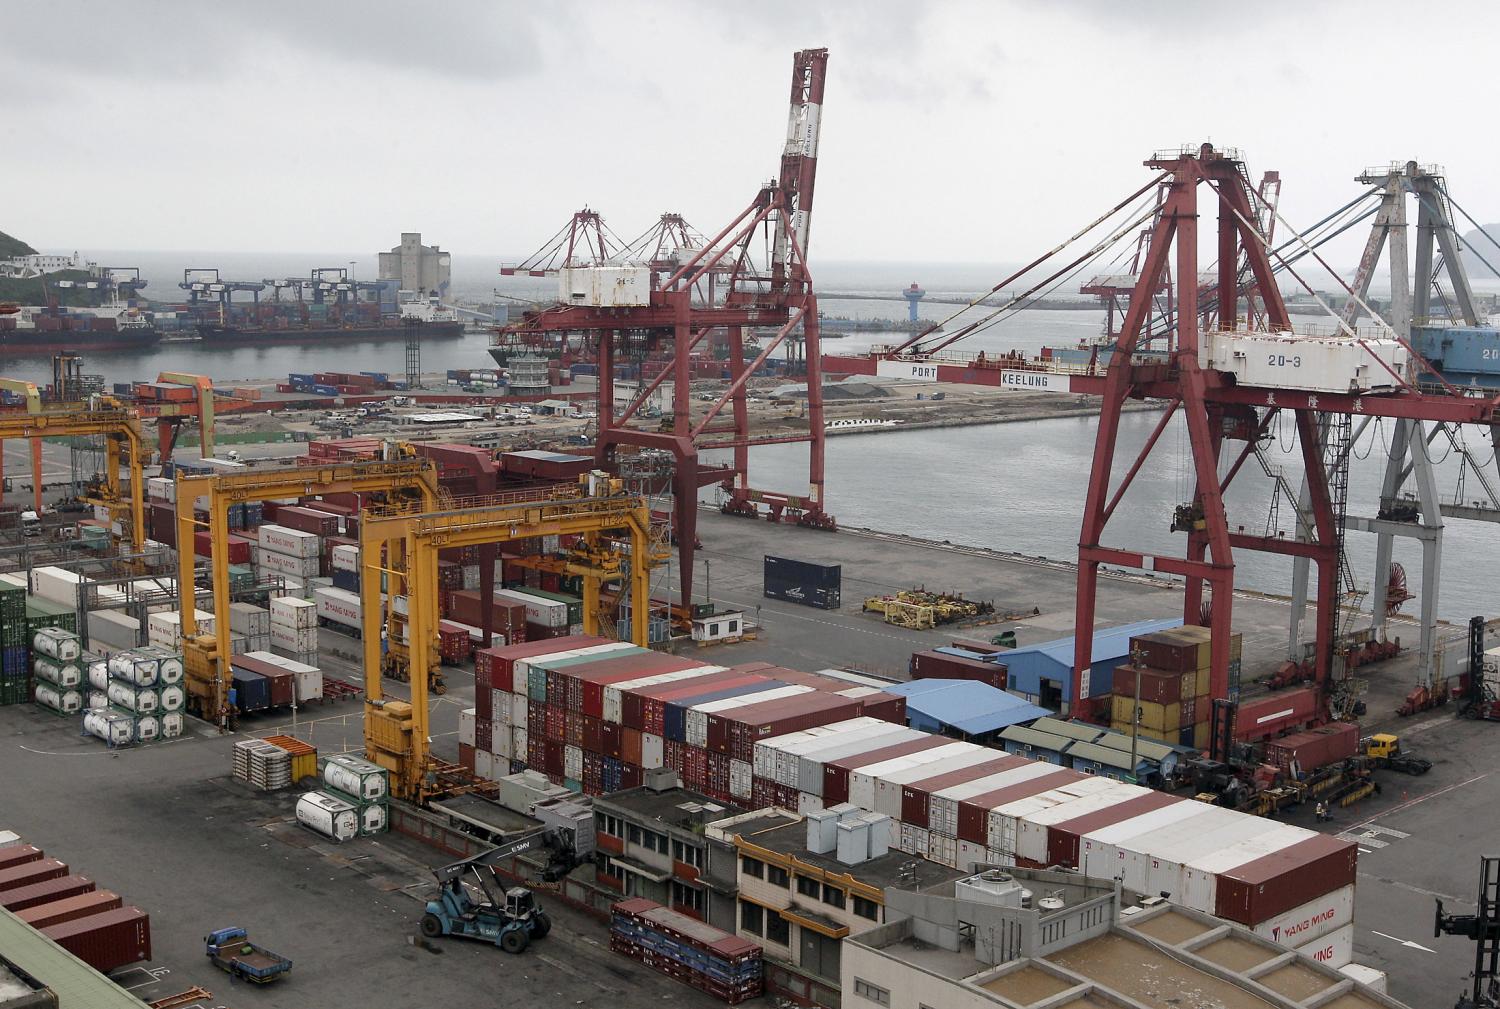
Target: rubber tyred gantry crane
[[677, 302]]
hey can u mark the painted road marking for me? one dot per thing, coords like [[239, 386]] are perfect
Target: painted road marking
[[1405, 942], [1421, 798], [1370, 835]]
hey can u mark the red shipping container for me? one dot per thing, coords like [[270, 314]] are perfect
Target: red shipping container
[[1272, 714], [1160, 650], [836, 772], [552, 754], [466, 756], [1158, 686], [631, 776], [44, 892], [630, 748], [503, 659], [674, 755], [307, 520], [70, 908], [915, 795], [593, 735], [483, 734], [974, 813], [1327, 744], [108, 940], [791, 714], [1276, 883], [238, 546], [484, 702], [933, 664], [886, 707], [36, 871], [19, 854], [1063, 838], [609, 738]]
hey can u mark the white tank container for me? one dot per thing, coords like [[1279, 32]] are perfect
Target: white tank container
[[58, 699], [141, 700], [355, 777], [373, 819], [133, 667], [172, 724], [323, 814], [147, 728], [96, 673], [171, 697], [56, 643], [169, 670], [57, 671], [114, 728], [97, 699]]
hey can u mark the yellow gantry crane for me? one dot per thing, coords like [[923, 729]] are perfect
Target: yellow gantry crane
[[206, 657], [121, 429], [397, 732]]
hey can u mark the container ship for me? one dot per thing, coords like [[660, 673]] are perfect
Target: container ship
[[298, 322], [38, 328]]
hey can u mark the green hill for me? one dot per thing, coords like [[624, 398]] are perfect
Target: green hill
[[14, 247]]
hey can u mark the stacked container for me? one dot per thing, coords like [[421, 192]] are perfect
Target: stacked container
[[294, 629], [338, 608], [135, 695], [1174, 705], [290, 554], [725, 966], [14, 675], [364, 786], [164, 629], [55, 655], [253, 623]]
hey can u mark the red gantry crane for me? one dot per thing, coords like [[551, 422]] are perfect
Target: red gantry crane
[[676, 299]]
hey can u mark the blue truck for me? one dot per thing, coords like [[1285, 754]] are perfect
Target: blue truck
[[231, 950]]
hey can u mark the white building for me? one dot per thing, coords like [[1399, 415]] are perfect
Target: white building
[[40, 264], [418, 268]]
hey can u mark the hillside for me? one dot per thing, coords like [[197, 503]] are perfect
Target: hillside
[[1475, 242], [13, 247], [29, 291]]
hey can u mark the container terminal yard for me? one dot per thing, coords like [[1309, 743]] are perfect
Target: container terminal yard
[[455, 688]]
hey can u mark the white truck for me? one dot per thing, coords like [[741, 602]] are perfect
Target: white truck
[[31, 523]]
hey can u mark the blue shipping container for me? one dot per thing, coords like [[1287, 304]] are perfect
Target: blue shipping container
[[253, 689]]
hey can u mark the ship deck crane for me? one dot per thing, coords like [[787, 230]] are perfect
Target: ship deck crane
[[396, 731], [206, 658], [672, 307], [123, 445]]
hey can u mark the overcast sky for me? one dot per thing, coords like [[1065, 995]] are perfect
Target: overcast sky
[[952, 132]]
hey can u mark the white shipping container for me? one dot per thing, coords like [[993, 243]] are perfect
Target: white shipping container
[[298, 642], [484, 764], [889, 788], [292, 612], [573, 763], [339, 607], [165, 629], [1001, 823], [519, 710], [1031, 840], [1099, 854], [309, 684], [113, 629], [271, 562], [281, 540], [604, 286], [942, 850], [780, 757], [346, 557], [653, 749], [912, 840], [547, 612], [501, 745], [1313, 920], [810, 765], [697, 715], [466, 726], [970, 855], [518, 744], [1332, 950], [740, 776], [500, 707], [329, 816], [862, 780], [1200, 877], [1374, 979], [942, 807], [162, 489], [1156, 863], [614, 692], [524, 666], [249, 619]]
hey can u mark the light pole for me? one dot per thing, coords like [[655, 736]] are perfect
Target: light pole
[[1135, 722]]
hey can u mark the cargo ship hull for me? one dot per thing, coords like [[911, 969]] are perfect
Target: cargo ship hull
[[215, 335], [27, 341]]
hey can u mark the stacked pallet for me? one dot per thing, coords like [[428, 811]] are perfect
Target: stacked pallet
[[263, 765], [1172, 666], [725, 966]]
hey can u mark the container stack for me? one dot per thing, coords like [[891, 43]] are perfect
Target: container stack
[[289, 681], [361, 784], [133, 696], [262, 765], [594, 714], [548, 614], [55, 669], [344, 560], [164, 629], [294, 629], [725, 966], [253, 623], [339, 608], [1174, 705], [290, 554], [15, 678]]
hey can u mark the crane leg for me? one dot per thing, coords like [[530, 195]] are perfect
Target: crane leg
[[36, 474]]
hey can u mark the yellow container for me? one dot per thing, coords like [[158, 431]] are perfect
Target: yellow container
[[1200, 735], [1201, 678], [1161, 718]]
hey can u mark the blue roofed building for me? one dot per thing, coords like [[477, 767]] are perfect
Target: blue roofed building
[[963, 709], [1043, 673]]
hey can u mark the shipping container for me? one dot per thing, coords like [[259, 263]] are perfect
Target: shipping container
[[957, 664], [46, 892], [1065, 836], [974, 813], [836, 773], [1303, 752], [1272, 885], [1304, 923], [865, 780], [802, 582], [943, 805], [106, 941], [81, 905], [916, 796], [29, 872]]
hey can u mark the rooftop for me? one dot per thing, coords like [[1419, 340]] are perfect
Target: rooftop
[[676, 807], [966, 705], [786, 836], [1109, 644], [75, 982]]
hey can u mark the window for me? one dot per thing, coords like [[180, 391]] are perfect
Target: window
[[635, 834], [808, 887], [713, 629], [611, 825], [833, 895], [777, 929], [1086, 770], [689, 897], [866, 908], [734, 627], [873, 993], [652, 841], [752, 867], [751, 916], [688, 854], [777, 876]]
